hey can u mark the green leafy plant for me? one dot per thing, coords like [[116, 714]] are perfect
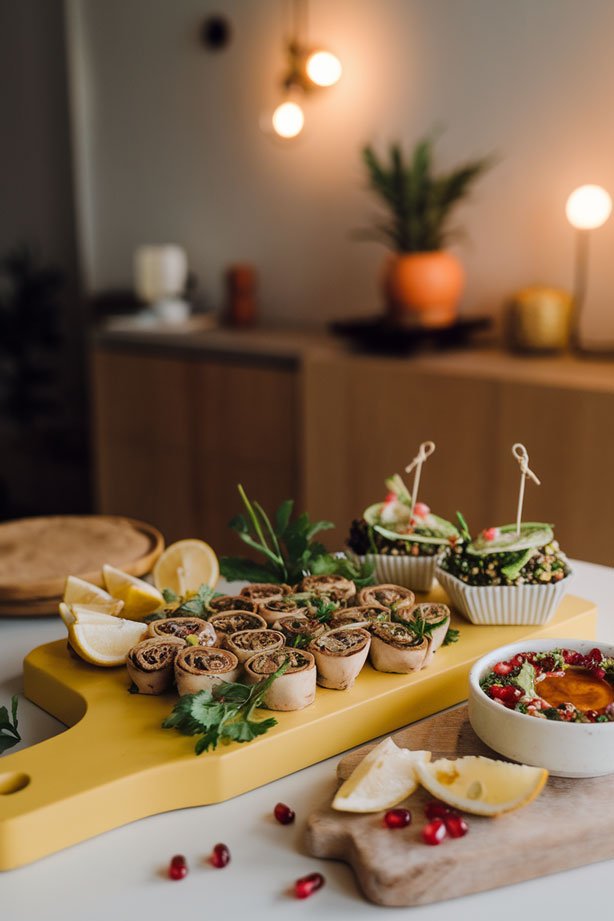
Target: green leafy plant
[[419, 202], [288, 547], [196, 605], [9, 734], [224, 714]]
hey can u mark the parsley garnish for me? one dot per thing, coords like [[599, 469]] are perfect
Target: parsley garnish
[[196, 605], [224, 714], [9, 735], [452, 636]]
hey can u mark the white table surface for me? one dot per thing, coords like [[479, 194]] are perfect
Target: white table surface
[[121, 874]]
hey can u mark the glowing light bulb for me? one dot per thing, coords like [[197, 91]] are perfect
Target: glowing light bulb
[[588, 207], [288, 120], [323, 68]]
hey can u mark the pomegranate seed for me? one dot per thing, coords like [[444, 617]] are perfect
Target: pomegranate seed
[[507, 694], [434, 832], [397, 818], [437, 810], [421, 509], [503, 668], [220, 856], [456, 826], [307, 885], [598, 672], [283, 814], [591, 715], [178, 868], [490, 533], [390, 497], [596, 655]]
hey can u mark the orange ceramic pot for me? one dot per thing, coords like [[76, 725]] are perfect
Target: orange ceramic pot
[[424, 287]]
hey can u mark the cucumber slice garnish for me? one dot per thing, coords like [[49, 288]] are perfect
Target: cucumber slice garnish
[[533, 534]]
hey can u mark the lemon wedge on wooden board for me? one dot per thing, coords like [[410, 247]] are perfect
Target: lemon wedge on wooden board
[[185, 566], [481, 785], [90, 614], [78, 591], [103, 644], [139, 597], [384, 778]]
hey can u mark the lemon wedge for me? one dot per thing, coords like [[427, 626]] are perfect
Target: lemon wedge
[[139, 597], [480, 785], [185, 566], [90, 614], [78, 591], [384, 777], [106, 645]]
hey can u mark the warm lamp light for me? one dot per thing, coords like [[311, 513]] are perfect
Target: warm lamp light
[[288, 120], [323, 68], [588, 207]]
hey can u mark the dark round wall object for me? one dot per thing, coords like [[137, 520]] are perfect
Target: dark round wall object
[[215, 33]]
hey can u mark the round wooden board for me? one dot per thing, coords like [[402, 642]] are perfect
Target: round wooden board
[[37, 554]]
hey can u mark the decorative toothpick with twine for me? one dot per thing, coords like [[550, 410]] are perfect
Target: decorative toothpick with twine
[[522, 456], [425, 450]]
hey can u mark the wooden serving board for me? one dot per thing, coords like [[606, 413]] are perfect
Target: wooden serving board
[[568, 825], [37, 554], [116, 764]]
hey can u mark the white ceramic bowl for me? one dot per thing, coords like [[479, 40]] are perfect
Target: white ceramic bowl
[[564, 749], [504, 605], [414, 572]]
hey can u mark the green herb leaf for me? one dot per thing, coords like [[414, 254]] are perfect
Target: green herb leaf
[[463, 527], [282, 516], [169, 595], [452, 636], [9, 734], [239, 569], [517, 562]]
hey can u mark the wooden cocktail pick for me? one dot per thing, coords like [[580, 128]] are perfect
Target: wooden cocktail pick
[[424, 451], [522, 456]]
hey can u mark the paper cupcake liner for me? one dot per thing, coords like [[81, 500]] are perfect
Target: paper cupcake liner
[[503, 605], [414, 572]]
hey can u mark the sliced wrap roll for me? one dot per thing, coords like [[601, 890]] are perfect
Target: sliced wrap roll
[[246, 643], [184, 627], [390, 596], [371, 613], [229, 622], [274, 608], [296, 688], [395, 648], [340, 654], [232, 603], [265, 591], [150, 663], [337, 588], [428, 620], [299, 630], [199, 668]]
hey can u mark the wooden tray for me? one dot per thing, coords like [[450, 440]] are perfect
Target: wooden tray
[[37, 554], [569, 825], [116, 764]]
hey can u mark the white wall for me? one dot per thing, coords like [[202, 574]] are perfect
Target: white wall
[[175, 152]]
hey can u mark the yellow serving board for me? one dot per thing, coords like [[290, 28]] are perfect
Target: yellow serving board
[[116, 764]]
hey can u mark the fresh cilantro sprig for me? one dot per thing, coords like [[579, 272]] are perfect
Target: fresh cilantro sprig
[[224, 714], [320, 607], [9, 734], [452, 636], [288, 547], [196, 605]]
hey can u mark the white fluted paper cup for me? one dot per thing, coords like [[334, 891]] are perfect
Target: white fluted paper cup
[[414, 572], [503, 605]]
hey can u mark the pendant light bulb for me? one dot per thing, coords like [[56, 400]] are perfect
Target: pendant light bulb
[[288, 120], [323, 68]]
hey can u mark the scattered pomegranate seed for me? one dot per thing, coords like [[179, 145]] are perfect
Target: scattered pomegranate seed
[[595, 654], [503, 668], [490, 533], [397, 818], [437, 810], [178, 867], [572, 657], [283, 814], [598, 672], [456, 826], [421, 509], [220, 856], [434, 832], [591, 715], [517, 660], [507, 694], [307, 885]]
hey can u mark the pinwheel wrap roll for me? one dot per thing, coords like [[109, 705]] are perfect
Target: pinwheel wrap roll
[[390, 596], [428, 620], [229, 622], [340, 654], [395, 648], [151, 662], [184, 627], [337, 588], [265, 591], [246, 643], [200, 668], [299, 630], [232, 603], [296, 688], [372, 613], [275, 608]]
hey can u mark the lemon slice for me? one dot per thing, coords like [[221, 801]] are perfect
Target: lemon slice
[[185, 566], [90, 614], [384, 777], [107, 645], [481, 785], [139, 597], [78, 591]]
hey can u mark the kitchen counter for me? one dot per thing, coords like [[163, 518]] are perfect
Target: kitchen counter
[[121, 874]]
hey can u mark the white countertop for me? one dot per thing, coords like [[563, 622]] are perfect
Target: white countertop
[[121, 874]]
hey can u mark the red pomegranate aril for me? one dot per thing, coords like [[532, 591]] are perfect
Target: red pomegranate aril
[[437, 810], [434, 832], [506, 693], [397, 818], [178, 867], [591, 715], [220, 856], [456, 826], [596, 655], [598, 672], [283, 814], [307, 885], [503, 668]]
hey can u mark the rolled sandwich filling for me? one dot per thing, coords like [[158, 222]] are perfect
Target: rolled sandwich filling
[[275, 608], [265, 591], [199, 668], [183, 627], [150, 663], [229, 622], [340, 654], [388, 595], [299, 630], [337, 588], [428, 620], [296, 688], [232, 603], [396, 648], [371, 613], [247, 643]]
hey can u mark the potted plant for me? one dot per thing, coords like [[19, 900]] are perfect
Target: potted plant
[[423, 281]]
